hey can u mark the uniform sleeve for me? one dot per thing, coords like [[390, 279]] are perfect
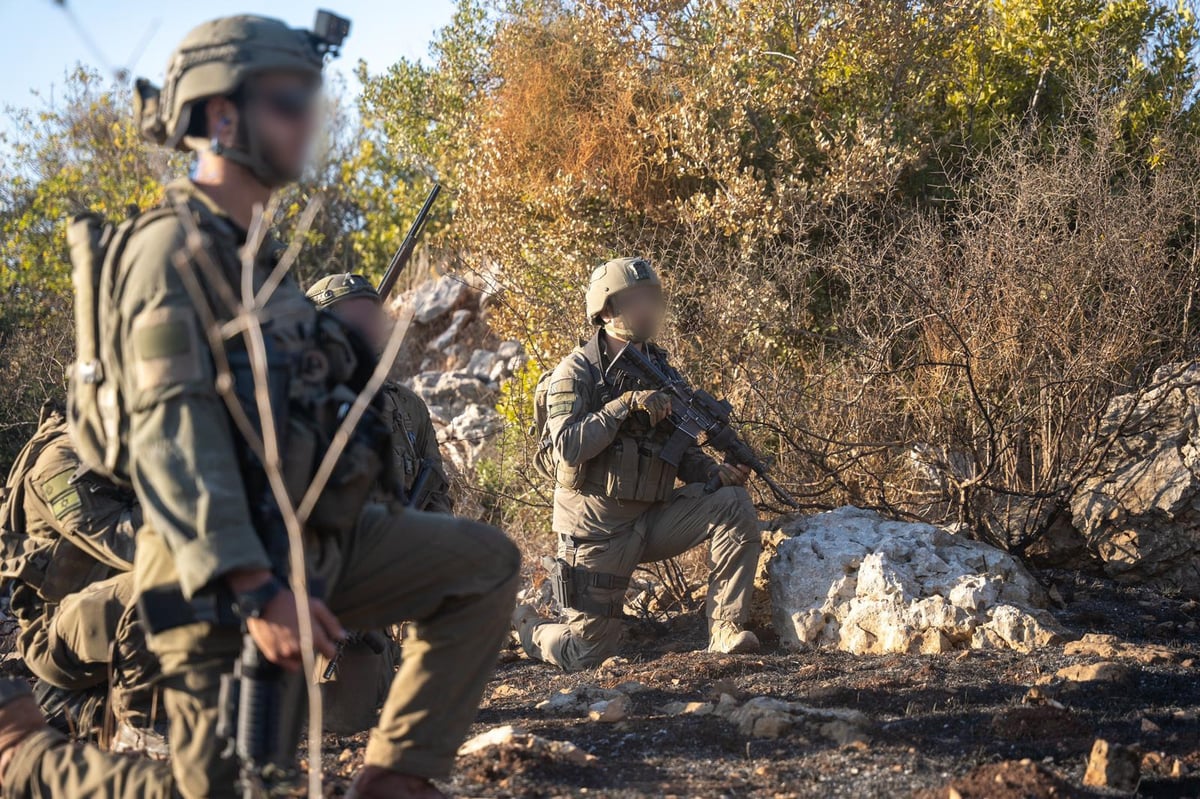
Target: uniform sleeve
[[182, 455], [427, 449], [578, 433], [93, 514]]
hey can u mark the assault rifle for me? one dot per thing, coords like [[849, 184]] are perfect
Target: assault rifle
[[697, 417], [374, 641], [404, 254]]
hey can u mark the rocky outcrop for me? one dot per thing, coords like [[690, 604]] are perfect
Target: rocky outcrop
[[853, 580], [454, 362], [1140, 512]]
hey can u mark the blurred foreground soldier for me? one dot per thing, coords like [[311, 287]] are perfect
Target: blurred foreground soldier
[[67, 542], [242, 92], [616, 503], [359, 679]]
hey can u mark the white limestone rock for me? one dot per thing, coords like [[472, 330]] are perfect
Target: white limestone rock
[[450, 335], [481, 364], [1139, 510], [453, 391], [433, 299], [853, 580]]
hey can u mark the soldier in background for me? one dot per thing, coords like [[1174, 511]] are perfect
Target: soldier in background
[[242, 92], [366, 663], [616, 503], [355, 301], [67, 542]]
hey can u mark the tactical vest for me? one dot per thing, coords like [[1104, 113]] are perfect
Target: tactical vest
[[315, 369], [630, 468]]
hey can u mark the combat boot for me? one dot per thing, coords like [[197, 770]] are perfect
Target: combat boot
[[524, 619], [730, 639], [20, 717], [375, 782]]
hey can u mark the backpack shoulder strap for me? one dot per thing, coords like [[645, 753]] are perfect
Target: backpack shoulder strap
[[591, 353]]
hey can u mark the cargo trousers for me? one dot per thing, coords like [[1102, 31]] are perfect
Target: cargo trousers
[[72, 647], [93, 635], [726, 519], [455, 580]]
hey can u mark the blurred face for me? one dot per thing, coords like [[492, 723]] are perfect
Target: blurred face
[[282, 111], [366, 317], [636, 314]]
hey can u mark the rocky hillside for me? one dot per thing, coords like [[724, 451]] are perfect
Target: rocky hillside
[[455, 363]]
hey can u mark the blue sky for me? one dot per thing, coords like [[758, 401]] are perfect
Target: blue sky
[[41, 45]]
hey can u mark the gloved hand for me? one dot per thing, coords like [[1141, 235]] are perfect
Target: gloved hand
[[656, 404], [731, 475]]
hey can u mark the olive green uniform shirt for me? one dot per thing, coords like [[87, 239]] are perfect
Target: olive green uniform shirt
[[414, 441], [181, 455], [64, 529], [584, 429]]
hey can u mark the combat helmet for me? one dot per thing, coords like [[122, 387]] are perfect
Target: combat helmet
[[215, 60], [333, 289], [614, 277]]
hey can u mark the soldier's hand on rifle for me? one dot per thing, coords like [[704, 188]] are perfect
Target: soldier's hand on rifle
[[276, 631], [656, 404], [733, 475]]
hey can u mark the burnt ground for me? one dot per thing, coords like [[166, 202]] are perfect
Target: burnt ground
[[968, 725], [964, 724]]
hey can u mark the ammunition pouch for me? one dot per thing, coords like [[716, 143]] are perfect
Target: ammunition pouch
[[672, 453], [634, 468], [569, 585]]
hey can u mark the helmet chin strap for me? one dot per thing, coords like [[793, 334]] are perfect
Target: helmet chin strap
[[248, 151]]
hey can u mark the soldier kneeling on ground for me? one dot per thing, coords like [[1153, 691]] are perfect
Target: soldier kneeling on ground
[[67, 539], [358, 680], [616, 503]]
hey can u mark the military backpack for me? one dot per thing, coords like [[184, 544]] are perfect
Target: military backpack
[[93, 394]]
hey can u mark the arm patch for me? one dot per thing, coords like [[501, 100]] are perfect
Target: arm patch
[[561, 398], [562, 408], [166, 348], [62, 494]]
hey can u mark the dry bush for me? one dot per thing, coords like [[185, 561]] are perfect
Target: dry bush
[[37, 350], [945, 362]]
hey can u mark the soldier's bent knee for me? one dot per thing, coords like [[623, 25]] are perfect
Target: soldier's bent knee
[[735, 505], [503, 553], [592, 651]]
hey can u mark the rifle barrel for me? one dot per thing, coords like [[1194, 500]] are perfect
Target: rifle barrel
[[405, 251]]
